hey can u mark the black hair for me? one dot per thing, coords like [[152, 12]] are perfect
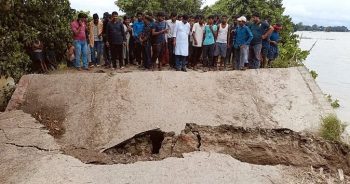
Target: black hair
[[114, 13], [126, 17], [160, 14], [105, 15], [211, 17], [149, 18], [95, 16], [224, 16], [81, 15], [185, 17], [173, 14], [256, 14], [139, 13]]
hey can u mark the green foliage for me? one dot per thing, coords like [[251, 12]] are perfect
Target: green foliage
[[22, 22], [7, 92], [131, 7], [334, 103], [271, 10], [332, 128], [314, 74]]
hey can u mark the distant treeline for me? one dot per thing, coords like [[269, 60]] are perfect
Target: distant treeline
[[301, 27]]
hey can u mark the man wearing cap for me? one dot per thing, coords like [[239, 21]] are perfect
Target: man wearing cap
[[95, 37], [243, 37], [275, 38], [78, 28], [261, 31]]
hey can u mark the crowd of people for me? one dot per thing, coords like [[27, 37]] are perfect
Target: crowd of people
[[178, 41]]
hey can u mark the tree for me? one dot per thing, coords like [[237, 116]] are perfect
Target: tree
[[272, 11], [22, 22], [131, 7]]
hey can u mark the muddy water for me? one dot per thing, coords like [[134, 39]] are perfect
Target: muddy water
[[330, 58]]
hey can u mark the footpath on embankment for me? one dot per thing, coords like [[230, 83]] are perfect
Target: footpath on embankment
[[255, 126]]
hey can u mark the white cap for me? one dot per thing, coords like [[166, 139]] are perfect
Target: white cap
[[242, 19]]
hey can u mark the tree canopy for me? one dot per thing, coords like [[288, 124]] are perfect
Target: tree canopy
[[272, 11], [131, 7], [22, 22]]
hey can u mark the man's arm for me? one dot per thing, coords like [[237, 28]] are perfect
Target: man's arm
[[250, 34], [175, 34], [268, 32]]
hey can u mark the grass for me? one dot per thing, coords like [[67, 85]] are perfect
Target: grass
[[332, 128]]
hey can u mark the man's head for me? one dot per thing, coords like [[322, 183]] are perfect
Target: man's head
[[148, 19], [277, 27], [224, 19], [161, 16], [96, 18], [256, 17], [105, 15], [185, 18], [126, 20], [210, 19], [242, 20], [139, 16], [200, 19], [173, 16], [81, 17], [179, 17], [114, 16]]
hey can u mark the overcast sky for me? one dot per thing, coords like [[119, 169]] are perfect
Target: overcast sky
[[321, 12]]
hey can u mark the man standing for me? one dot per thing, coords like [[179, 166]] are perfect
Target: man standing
[[116, 39], [145, 40], [221, 42], [79, 36], [181, 42], [209, 43], [128, 33], [137, 30], [197, 34], [261, 31], [107, 51], [158, 33], [171, 25], [273, 41], [95, 37], [242, 41]]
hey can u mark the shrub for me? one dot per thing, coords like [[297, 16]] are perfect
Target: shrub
[[332, 128]]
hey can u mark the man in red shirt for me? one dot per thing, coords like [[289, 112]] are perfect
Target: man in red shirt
[[79, 36]]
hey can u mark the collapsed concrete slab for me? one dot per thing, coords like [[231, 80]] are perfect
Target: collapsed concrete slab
[[90, 115]]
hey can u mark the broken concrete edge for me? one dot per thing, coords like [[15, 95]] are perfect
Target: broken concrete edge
[[327, 109], [18, 96], [259, 146]]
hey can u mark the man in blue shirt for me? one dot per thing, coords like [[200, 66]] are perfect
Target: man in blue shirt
[[273, 41], [209, 41], [158, 32], [243, 37], [261, 31], [137, 30]]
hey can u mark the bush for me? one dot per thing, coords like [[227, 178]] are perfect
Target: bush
[[314, 74], [7, 92], [332, 128], [22, 22]]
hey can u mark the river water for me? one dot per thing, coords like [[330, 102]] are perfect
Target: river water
[[330, 58]]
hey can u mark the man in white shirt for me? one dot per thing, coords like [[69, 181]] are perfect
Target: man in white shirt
[[181, 42], [222, 41], [197, 35], [171, 23]]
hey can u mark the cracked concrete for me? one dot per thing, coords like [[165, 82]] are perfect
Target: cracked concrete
[[100, 111]]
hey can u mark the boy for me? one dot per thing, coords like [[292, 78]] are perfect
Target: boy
[[209, 42]]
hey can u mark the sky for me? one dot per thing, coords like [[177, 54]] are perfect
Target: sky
[[320, 12]]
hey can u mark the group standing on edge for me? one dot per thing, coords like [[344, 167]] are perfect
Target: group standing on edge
[[177, 41]]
